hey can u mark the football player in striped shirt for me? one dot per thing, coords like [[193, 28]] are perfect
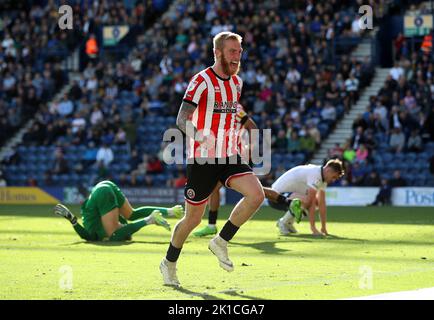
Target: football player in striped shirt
[[208, 117]]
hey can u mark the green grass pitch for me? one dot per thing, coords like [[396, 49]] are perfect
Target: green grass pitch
[[371, 251]]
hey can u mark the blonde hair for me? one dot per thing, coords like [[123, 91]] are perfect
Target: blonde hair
[[336, 165], [220, 38]]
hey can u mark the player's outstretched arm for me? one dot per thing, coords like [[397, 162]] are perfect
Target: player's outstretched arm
[[311, 204], [322, 211]]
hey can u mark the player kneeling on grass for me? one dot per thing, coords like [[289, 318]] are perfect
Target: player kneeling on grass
[[105, 213], [307, 183]]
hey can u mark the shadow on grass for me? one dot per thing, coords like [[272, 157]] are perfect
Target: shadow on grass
[[202, 295], [240, 294], [266, 247], [269, 247], [109, 243], [113, 243], [329, 237]]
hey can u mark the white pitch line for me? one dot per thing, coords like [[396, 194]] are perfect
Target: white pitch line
[[420, 294]]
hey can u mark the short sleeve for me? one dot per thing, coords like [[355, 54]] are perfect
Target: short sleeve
[[313, 181], [195, 90]]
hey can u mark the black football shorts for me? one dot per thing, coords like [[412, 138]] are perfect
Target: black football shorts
[[202, 178]]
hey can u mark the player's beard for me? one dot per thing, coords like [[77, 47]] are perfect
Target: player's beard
[[228, 67]]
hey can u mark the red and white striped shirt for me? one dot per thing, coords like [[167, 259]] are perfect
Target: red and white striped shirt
[[216, 113]]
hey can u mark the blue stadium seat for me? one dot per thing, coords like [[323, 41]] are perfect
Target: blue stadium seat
[[411, 156], [387, 157]]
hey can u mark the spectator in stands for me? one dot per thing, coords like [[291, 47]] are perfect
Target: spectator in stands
[[31, 182], [352, 87], [358, 138], [78, 123], [358, 173], [96, 116], [362, 154], [60, 165], [397, 140], [349, 153], [397, 71], [336, 152], [384, 195], [92, 49], [397, 180], [293, 143], [121, 136], [154, 165], [328, 114], [89, 156], [314, 132], [307, 145], [180, 180], [281, 142], [48, 179], [104, 156], [372, 180], [65, 107], [35, 135], [414, 142], [370, 142]]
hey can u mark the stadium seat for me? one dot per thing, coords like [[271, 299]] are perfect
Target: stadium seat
[[387, 157]]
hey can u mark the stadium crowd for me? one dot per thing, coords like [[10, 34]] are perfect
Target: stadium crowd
[[396, 129], [294, 83]]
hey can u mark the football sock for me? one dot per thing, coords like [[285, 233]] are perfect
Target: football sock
[[228, 231], [173, 253], [288, 217], [281, 199], [212, 217], [82, 232], [143, 212], [125, 232]]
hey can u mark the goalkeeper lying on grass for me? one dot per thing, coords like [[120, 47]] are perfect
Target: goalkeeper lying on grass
[[105, 213]]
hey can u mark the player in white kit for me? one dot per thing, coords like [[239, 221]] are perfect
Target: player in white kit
[[308, 183]]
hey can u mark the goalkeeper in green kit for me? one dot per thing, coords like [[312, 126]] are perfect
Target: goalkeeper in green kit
[[105, 213]]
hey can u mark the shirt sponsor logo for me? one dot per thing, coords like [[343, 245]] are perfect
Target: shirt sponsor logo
[[225, 107], [192, 85]]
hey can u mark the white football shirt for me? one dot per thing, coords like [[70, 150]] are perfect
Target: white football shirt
[[300, 179]]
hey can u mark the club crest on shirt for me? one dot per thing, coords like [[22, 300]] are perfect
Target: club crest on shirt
[[191, 193], [238, 88]]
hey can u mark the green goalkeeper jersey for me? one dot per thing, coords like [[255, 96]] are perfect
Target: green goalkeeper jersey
[[104, 197]]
